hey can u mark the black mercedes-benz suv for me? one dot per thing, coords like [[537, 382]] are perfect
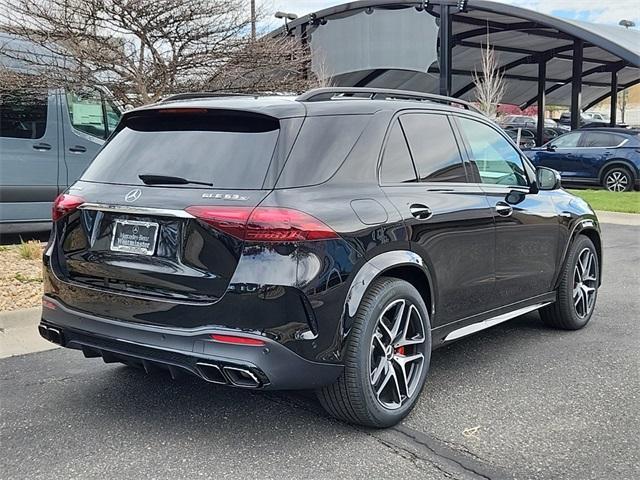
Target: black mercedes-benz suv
[[329, 242]]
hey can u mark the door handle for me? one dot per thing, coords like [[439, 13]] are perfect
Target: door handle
[[504, 209], [42, 146], [419, 211], [77, 149]]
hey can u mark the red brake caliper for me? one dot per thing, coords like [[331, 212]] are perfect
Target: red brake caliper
[[400, 350]]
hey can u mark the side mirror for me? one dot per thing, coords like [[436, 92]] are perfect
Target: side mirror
[[550, 147], [547, 179]]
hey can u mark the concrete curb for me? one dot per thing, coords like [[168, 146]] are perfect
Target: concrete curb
[[19, 333], [619, 218]]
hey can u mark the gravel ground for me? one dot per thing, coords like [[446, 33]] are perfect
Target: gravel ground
[[20, 280]]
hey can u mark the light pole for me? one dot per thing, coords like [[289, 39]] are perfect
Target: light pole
[[625, 93], [253, 20], [286, 16]]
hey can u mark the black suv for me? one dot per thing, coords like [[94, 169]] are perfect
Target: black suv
[[325, 242]]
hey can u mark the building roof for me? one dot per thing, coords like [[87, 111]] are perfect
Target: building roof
[[518, 35]]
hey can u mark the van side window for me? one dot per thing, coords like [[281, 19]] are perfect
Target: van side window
[[433, 147], [397, 166], [85, 112], [23, 114]]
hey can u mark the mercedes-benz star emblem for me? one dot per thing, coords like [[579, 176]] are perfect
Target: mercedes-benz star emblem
[[133, 195]]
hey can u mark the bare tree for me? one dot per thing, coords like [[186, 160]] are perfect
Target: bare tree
[[142, 50], [489, 83]]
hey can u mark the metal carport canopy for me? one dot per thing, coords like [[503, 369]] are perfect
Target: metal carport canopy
[[522, 39]]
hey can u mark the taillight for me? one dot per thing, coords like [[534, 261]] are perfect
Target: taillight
[[64, 204], [264, 224]]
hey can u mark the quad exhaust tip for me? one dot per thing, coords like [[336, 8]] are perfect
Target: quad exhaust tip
[[236, 376]]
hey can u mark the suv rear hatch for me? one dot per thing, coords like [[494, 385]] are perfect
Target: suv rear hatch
[[136, 221]]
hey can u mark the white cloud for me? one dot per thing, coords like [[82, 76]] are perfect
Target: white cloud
[[597, 11]]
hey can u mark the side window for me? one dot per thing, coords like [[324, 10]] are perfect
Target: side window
[[23, 114], [397, 166], [496, 160], [85, 112], [433, 148], [569, 140], [113, 115], [600, 139]]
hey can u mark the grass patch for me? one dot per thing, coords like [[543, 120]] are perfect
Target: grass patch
[[626, 202], [24, 279], [4, 248], [31, 250]]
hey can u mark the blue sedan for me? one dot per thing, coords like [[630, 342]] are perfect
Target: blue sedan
[[595, 156]]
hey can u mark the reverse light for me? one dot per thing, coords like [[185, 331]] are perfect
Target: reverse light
[[65, 204], [264, 224], [237, 340]]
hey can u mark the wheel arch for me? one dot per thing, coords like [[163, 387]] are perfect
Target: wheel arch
[[400, 264], [590, 229], [618, 162]]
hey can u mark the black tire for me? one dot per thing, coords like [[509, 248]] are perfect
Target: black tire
[[617, 179], [564, 313], [352, 398]]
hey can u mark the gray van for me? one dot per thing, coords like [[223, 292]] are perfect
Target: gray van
[[47, 139]]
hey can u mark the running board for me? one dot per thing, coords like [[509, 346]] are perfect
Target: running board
[[476, 327]]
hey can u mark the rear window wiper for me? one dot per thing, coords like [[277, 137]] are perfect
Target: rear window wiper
[[169, 180]]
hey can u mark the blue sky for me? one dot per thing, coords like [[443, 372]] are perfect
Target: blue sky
[[597, 11]]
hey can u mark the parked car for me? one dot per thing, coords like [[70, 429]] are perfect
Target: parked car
[[524, 121], [324, 242], [597, 156], [527, 139], [528, 135], [565, 120], [47, 139]]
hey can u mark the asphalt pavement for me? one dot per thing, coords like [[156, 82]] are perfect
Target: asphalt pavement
[[516, 401]]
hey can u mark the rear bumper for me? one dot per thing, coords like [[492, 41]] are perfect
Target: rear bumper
[[272, 366]]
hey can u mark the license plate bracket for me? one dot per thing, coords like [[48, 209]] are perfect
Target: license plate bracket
[[134, 236]]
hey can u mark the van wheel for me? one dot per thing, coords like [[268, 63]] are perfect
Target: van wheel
[[578, 290], [617, 179], [386, 357]]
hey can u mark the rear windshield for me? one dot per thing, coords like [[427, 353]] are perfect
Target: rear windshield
[[227, 149]]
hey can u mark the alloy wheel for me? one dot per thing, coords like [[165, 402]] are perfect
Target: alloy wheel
[[397, 354], [585, 283], [617, 181]]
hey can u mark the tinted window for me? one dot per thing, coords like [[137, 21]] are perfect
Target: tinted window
[[433, 147], [321, 147], [397, 166], [600, 139], [229, 150], [570, 140], [23, 114], [85, 112], [494, 157]]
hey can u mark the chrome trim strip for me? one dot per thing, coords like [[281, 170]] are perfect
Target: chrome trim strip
[[478, 326], [158, 212]]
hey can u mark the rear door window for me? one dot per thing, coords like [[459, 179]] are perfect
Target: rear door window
[[600, 140], [433, 148], [397, 166], [23, 114], [227, 149]]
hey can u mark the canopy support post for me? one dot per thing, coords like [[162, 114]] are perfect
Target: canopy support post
[[542, 84], [446, 46], [576, 84], [614, 97]]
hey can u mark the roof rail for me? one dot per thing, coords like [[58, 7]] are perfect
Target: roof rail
[[191, 95], [334, 93]]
